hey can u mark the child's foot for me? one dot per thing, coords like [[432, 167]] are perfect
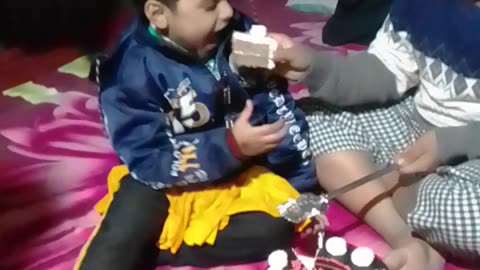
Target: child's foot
[[413, 255]]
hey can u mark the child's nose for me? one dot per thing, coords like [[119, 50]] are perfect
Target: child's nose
[[225, 11]]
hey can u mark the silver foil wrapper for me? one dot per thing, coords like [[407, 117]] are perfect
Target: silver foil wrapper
[[304, 207]]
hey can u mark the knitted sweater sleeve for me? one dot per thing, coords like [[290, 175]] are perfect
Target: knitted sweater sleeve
[[383, 73]]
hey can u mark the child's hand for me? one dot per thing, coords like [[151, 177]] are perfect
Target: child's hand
[[292, 60], [422, 157], [319, 223], [256, 140]]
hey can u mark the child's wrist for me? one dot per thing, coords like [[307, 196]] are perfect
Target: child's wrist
[[233, 145]]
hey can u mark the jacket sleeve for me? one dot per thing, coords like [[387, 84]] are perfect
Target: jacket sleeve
[[140, 134], [292, 158], [383, 73]]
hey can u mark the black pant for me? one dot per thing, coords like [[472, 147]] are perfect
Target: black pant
[[133, 223]]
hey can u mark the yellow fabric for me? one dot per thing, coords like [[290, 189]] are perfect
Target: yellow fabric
[[196, 216]]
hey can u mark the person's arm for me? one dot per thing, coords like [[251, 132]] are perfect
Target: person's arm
[[291, 159], [458, 142], [383, 73], [141, 135]]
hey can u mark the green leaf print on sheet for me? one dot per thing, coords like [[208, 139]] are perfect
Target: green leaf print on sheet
[[79, 67], [38, 94], [33, 93], [323, 7]]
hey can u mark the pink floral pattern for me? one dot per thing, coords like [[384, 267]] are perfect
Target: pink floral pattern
[[48, 203], [55, 159]]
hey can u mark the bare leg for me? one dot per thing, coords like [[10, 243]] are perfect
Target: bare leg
[[404, 193], [371, 202]]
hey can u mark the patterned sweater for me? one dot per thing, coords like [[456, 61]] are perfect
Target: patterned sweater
[[431, 45]]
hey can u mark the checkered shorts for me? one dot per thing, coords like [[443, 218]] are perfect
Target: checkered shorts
[[447, 212]]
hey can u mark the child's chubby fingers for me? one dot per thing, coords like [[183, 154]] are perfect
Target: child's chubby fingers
[[272, 141], [268, 129], [275, 135]]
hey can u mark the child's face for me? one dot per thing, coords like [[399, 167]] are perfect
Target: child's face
[[195, 24]]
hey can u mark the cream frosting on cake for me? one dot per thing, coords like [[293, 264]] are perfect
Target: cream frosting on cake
[[278, 260], [336, 246], [362, 257]]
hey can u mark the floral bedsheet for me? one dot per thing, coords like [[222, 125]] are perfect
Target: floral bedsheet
[[54, 156]]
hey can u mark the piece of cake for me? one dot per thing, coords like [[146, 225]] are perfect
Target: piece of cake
[[254, 49]]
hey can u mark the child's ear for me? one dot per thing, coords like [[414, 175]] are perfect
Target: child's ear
[[156, 14]]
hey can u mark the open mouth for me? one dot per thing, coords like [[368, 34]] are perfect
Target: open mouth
[[212, 41]]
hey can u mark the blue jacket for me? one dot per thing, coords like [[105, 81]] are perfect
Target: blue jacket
[[166, 113]]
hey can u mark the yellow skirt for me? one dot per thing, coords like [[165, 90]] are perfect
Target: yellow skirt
[[196, 216]]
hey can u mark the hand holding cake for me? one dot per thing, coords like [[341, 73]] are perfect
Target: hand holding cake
[[273, 51], [254, 49], [293, 60]]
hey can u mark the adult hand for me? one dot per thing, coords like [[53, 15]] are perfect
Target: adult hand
[[292, 59], [421, 157]]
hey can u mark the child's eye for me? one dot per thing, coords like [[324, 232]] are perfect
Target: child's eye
[[212, 5]]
